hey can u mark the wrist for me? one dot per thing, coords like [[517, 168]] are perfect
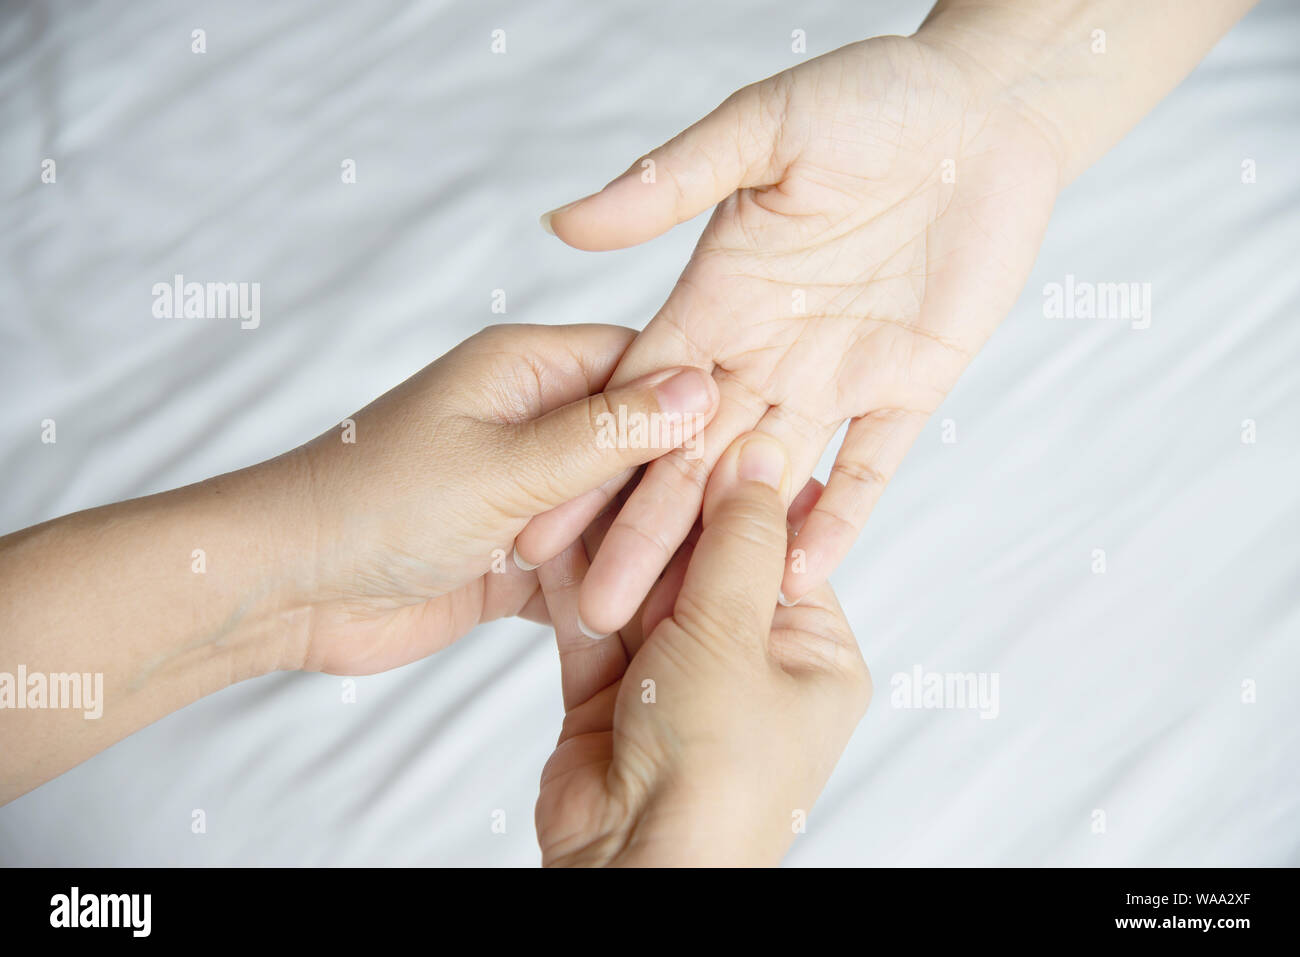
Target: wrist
[[169, 598], [1082, 74], [1005, 60], [250, 536], [278, 526], [718, 820]]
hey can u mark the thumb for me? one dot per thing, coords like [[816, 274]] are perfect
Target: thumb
[[581, 446], [730, 149], [734, 576]]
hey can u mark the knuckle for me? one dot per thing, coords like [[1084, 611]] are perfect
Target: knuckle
[[599, 408], [851, 668], [868, 685], [493, 334], [681, 196], [861, 686], [650, 536], [692, 473], [861, 473], [538, 481], [752, 520], [719, 614]]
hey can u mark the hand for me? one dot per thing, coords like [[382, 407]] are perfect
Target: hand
[[879, 213], [417, 517], [703, 742], [343, 556]]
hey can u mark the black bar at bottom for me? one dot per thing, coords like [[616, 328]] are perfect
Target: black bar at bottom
[[330, 907]]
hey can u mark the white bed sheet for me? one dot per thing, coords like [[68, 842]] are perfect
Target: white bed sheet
[[1120, 692]]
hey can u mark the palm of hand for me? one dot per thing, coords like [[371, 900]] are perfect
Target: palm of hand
[[901, 221], [896, 239]]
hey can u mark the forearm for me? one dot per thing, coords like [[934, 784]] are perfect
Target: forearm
[[1084, 89], [168, 598]]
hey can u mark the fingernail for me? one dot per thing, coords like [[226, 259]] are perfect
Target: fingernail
[[690, 390], [523, 565], [762, 459], [545, 219], [780, 596], [594, 636]]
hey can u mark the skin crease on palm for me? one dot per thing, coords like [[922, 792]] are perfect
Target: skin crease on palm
[[875, 222]]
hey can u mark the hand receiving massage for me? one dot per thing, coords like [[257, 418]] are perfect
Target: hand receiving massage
[[879, 209], [357, 556]]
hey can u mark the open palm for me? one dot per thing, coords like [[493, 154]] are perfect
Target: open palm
[[876, 220]]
